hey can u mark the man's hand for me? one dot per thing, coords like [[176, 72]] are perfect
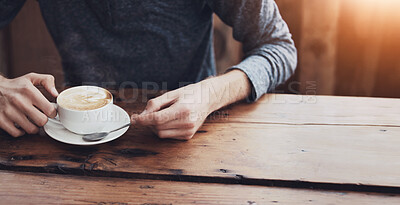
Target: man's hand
[[23, 105], [179, 114]]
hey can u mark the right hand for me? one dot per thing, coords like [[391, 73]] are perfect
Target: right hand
[[22, 104]]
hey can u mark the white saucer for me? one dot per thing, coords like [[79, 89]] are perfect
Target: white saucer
[[58, 132]]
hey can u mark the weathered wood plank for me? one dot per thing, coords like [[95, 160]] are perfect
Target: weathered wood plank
[[236, 152], [282, 137], [300, 109], [25, 188], [318, 45], [359, 46], [290, 109]]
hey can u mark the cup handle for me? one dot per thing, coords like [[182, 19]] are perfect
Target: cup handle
[[56, 119]]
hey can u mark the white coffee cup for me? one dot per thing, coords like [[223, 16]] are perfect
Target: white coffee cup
[[84, 121]]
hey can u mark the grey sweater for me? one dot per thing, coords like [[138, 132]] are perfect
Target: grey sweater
[[162, 43]]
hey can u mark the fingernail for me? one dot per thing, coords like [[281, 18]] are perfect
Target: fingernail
[[54, 91]]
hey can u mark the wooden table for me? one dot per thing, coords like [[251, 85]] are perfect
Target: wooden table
[[284, 149]]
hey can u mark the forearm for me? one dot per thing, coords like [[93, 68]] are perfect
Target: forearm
[[269, 51], [178, 114], [229, 88]]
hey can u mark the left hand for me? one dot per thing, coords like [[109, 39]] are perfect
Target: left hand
[[177, 114]]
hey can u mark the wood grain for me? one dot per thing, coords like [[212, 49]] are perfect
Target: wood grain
[[289, 109], [323, 110], [337, 140], [363, 69], [318, 46], [25, 188], [232, 152]]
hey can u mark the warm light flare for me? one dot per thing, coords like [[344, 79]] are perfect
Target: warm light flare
[[390, 3], [369, 7], [375, 15]]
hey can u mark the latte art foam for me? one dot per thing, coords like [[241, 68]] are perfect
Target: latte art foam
[[84, 99]]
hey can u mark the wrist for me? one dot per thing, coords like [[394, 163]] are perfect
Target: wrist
[[212, 91], [226, 89]]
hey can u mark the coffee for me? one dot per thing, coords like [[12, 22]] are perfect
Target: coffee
[[84, 98]]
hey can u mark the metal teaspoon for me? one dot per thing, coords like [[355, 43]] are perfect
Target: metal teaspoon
[[100, 135]]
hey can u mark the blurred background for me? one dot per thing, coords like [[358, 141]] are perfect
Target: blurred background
[[346, 47]]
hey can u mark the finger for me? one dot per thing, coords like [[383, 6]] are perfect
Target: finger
[[182, 123], [42, 103], [8, 126], [158, 103], [133, 118], [19, 118], [47, 81], [32, 112], [157, 118], [180, 134]]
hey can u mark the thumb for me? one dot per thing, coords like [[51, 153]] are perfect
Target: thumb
[[47, 81]]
